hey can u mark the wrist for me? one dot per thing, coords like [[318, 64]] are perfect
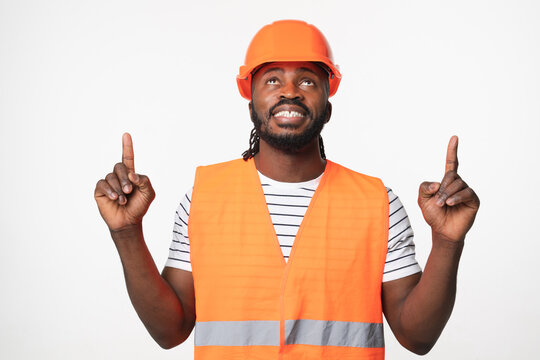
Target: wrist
[[127, 233], [442, 242]]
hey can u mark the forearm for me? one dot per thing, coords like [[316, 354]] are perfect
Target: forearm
[[428, 306], [154, 300]]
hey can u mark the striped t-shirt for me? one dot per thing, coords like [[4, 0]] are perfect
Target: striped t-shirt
[[287, 204]]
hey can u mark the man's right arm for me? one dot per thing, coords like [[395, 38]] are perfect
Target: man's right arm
[[165, 303]]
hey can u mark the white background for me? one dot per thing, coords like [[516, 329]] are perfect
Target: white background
[[75, 75]]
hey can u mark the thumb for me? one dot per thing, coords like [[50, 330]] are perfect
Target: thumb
[[140, 181], [134, 178]]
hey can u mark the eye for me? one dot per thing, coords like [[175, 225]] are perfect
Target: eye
[[307, 82], [272, 81]]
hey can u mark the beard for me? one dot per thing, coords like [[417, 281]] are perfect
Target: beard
[[289, 143]]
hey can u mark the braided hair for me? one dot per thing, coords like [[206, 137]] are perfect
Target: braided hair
[[254, 141]]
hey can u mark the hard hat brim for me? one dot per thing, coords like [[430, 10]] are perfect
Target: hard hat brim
[[243, 79]]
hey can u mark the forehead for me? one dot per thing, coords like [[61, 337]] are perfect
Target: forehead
[[292, 66]]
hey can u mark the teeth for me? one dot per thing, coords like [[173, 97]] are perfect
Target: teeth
[[286, 113]]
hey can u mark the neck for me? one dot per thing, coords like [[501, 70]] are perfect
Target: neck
[[303, 165]]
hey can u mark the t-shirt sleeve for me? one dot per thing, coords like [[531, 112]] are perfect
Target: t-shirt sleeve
[[400, 258], [179, 254]]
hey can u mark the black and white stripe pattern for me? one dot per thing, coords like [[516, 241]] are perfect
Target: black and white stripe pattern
[[179, 254], [287, 204], [400, 258]]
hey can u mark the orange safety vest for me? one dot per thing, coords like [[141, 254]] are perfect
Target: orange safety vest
[[323, 303]]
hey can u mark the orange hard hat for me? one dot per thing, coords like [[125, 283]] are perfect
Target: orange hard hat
[[287, 40]]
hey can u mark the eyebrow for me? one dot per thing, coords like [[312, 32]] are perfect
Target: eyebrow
[[281, 70]]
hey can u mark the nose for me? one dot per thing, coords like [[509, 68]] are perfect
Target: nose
[[290, 91]]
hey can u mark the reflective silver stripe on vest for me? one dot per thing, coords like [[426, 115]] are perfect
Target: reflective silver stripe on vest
[[237, 333], [334, 333], [308, 332]]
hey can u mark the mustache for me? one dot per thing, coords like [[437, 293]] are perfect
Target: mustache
[[289, 102]]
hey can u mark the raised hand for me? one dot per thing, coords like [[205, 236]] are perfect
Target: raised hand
[[450, 206], [124, 196]]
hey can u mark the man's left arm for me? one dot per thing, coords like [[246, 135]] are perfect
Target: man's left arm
[[418, 306]]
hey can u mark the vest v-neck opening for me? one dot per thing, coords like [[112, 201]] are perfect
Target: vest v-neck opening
[[319, 181], [312, 203]]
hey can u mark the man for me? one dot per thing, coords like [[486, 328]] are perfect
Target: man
[[292, 255]]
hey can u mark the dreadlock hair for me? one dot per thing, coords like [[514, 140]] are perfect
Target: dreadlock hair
[[254, 141], [321, 148]]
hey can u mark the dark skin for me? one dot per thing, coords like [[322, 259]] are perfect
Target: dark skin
[[307, 83], [416, 307], [164, 302]]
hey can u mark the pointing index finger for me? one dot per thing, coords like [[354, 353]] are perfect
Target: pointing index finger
[[128, 158], [451, 155]]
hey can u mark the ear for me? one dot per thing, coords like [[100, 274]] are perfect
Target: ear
[[328, 112], [250, 106]]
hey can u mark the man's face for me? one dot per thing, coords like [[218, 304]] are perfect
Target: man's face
[[289, 104]]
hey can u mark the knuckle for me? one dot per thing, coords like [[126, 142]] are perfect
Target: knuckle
[[449, 178], [424, 187], [442, 188], [458, 184], [443, 191], [119, 167], [111, 177], [99, 185], [102, 187]]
